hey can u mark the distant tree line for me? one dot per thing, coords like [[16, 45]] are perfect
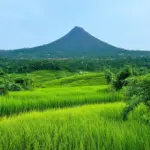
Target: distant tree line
[[98, 64]]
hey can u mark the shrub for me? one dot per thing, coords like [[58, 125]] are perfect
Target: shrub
[[138, 92], [2, 73], [120, 80], [3, 89], [14, 87], [108, 77], [25, 83]]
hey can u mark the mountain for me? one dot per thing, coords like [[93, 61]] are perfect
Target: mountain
[[77, 43]]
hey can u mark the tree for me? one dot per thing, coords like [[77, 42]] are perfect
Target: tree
[[26, 83], [108, 76], [2, 73], [3, 83], [120, 80], [138, 92]]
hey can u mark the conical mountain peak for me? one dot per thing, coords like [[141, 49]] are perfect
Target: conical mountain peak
[[77, 29], [77, 43]]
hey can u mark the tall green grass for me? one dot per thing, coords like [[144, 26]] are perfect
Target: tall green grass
[[45, 98], [40, 120], [91, 127]]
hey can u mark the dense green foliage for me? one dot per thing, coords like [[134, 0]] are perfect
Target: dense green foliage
[[7, 83], [121, 77], [3, 83], [72, 65], [108, 76], [138, 92]]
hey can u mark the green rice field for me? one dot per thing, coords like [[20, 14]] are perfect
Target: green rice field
[[69, 112]]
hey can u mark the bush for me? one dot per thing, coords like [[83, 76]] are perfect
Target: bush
[[25, 83], [2, 73], [3, 89], [138, 92], [14, 87], [108, 77], [120, 80]]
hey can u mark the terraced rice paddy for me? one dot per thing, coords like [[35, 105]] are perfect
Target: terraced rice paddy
[[70, 114]]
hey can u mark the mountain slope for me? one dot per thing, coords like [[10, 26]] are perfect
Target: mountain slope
[[77, 43]]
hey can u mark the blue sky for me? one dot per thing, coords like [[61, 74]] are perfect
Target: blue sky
[[28, 23]]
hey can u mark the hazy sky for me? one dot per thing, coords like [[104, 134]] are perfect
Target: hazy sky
[[27, 23]]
